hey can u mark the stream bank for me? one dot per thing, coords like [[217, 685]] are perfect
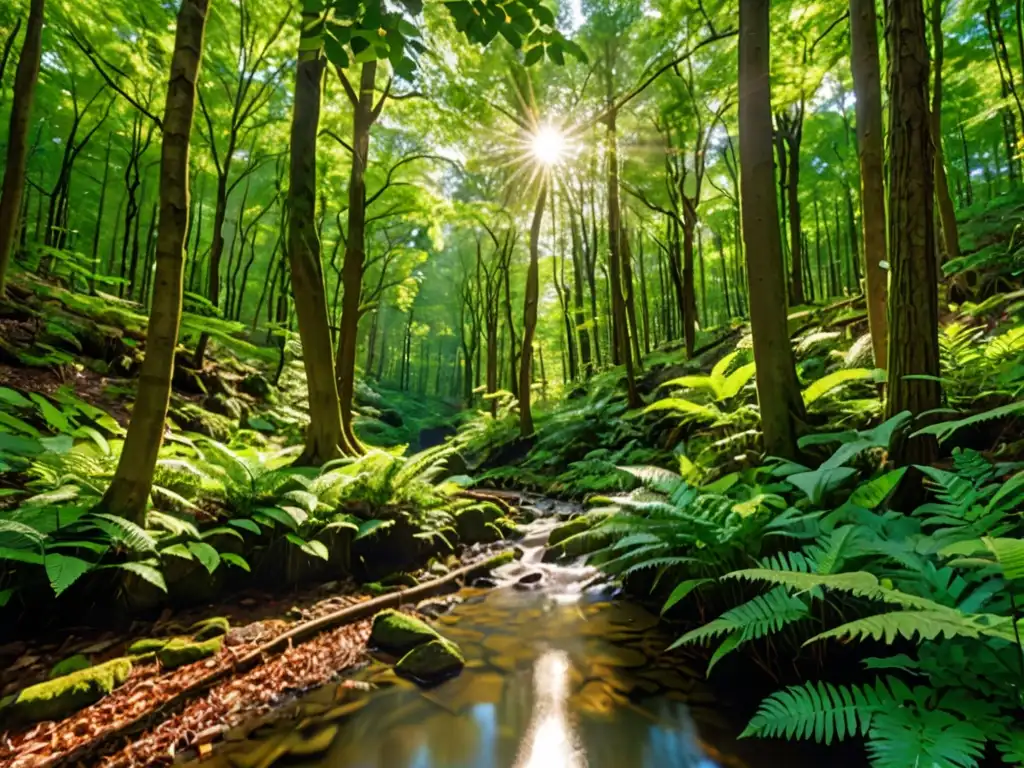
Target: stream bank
[[561, 672]]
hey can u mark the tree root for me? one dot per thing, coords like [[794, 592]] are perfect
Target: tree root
[[347, 615]]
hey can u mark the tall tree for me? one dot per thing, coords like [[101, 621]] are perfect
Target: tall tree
[[914, 305], [128, 494], [530, 313], [947, 215], [867, 85], [17, 135], [778, 391]]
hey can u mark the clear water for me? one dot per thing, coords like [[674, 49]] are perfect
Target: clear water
[[557, 676]]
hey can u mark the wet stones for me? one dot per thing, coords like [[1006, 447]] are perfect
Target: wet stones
[[399, 633], [431, 662]]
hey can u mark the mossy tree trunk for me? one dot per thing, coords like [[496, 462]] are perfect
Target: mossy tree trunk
[[777, 388], [128, 493], [867, 86], [325, 439], [914, 306], [25, 77]]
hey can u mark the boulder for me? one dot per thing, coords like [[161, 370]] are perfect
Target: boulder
[[431, 662], [399, 633], [181, 651], [477, 523], [56, 699]]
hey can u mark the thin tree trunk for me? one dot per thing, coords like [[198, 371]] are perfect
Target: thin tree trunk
[[530, 315], [777, 387], [645, 313], [867, 86], [99, 218], [325, 439], [25, 78], [128, 494], [914, 309], [584, 331]]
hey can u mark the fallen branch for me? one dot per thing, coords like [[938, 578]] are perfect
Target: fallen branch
[[280, 643]]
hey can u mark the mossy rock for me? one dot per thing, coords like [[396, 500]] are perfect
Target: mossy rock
[[225, 405], [477, 523], [71, 664], [181, 651], [399, 633], [192, 418], [56, 699], [147, 645], [431, 662], [212, 627]]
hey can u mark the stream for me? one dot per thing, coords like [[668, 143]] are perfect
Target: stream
[[559, 673]]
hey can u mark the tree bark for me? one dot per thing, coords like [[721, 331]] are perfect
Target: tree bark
[[25, 77], [355, 255], [128, 494], [777, 388], [530, 315], [867, 86], [914, 310], [577, 269], [325, 439]]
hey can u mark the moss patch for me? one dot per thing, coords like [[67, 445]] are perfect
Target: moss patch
[[559, 536], [147, 645], [212, 627], [69, 665], [56, 699], [431, 662], [399, 633], [477, 522], [181, 651]]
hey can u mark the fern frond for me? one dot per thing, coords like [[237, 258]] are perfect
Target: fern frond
[[753, 619], [825, 712], [826, 384], [928, 624]]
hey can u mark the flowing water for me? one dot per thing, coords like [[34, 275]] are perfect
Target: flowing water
[[559, 674]]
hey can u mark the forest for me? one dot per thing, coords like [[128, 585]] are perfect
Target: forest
[[511, 383]]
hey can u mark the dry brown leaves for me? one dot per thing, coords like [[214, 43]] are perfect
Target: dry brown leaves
[[241, 698]]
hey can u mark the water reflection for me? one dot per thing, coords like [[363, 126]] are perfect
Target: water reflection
[[549, 684]]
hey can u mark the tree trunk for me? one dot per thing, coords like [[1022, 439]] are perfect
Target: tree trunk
[[620, 324], [645, 312], [25, 77], [530, 315], [581, 323], [947, 215], [325, 439], [867, 86], [128, 494], [914, 309], [630, 297], [689, 291], [777, 388], [99, 218], [355, 256]]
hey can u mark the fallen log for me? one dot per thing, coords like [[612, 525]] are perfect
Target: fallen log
[[347, 615]]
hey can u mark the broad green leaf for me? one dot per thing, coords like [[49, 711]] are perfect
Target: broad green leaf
[[236, 560], [207, 555], [313, 548], [64, 570]]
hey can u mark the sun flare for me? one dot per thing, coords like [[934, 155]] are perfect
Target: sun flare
[[548, 145]]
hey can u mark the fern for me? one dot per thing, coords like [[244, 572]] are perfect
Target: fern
[[927, 624], [944, 430], [826, 384], [754, 619], [825, 712]]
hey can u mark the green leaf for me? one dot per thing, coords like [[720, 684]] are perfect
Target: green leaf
[[871, 494], [246, 525], [96, 437], [123, 531], [370, 527], [313, 548], [207, 555], [533, 55], [178, 550], [56, 420], [60, 444], [147, 572], [15, 398], [819, 482], [291, 517], [236, 560], [20, 446], [826, 384], [64, 570], [18, 425], [5, 596]]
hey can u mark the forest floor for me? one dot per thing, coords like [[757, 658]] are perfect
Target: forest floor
[[134, 726]]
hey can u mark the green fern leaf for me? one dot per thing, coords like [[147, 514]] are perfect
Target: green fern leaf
[[871, 494], [823, 711], [826, 384], [947, 429], [312, 548], [686, 407], [236, 560], [205, 554], [928, 624], [147, 571], [123, 531], [681, 591], [735, 381], [910, 736]]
